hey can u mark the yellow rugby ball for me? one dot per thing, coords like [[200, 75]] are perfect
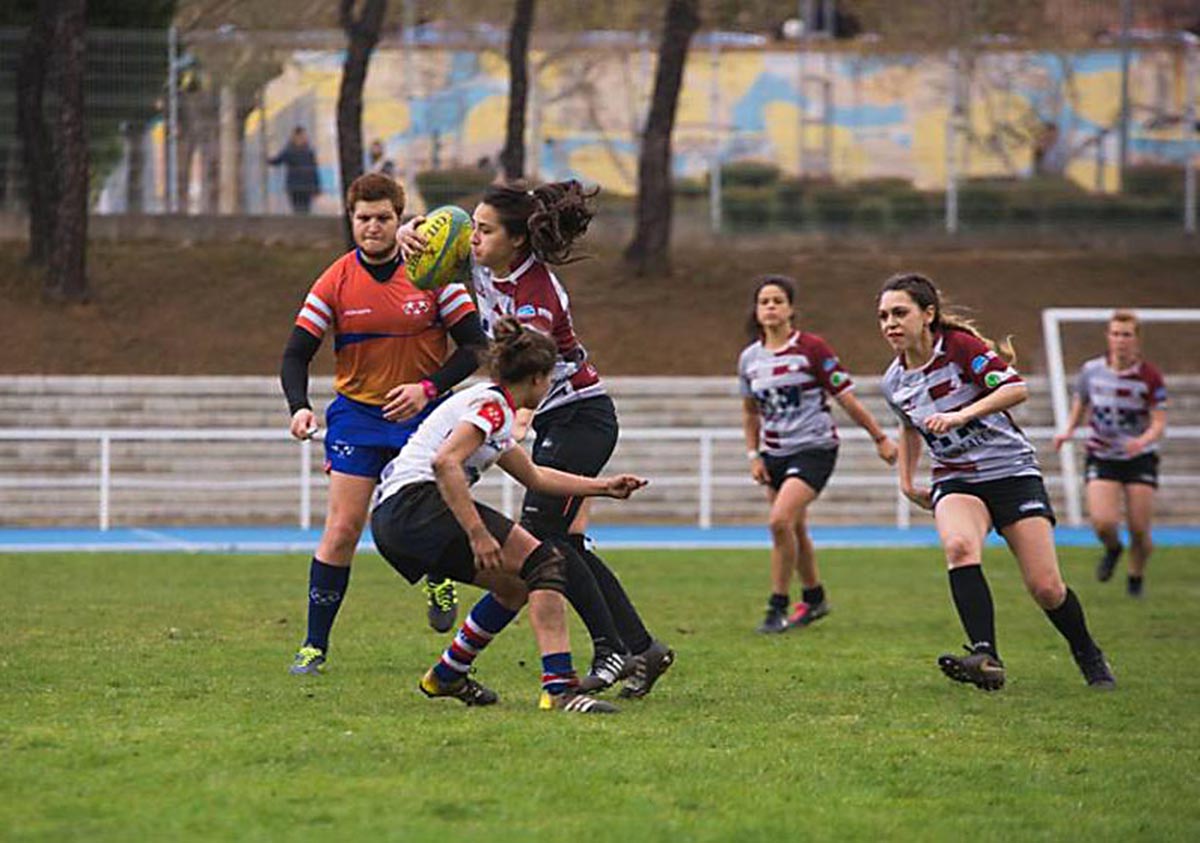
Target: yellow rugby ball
[[448, 232]]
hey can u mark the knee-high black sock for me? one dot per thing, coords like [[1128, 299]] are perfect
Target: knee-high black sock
[[1069, 621], [326, 587], [585, 596], [629, 623], [973, 600]]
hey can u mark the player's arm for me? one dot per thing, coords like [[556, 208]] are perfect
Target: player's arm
[[884, 446], [549, 481], [1158, 426], [1078, 408], [408, 399], [1005, 396], [293, 375], [751, 429], [909, 452], [451, 481]]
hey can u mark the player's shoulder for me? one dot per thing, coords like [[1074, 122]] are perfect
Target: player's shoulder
[[957, 343], [1149, 372], [751, 351], [891, 375], [1094, 365]]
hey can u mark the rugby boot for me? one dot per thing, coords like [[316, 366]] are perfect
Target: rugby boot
[[979, 668], [466, 690]]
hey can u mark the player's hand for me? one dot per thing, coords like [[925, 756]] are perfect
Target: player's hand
[[621, 486], [486, 550], [411, 242], [304, 424], [404, 401], [758, 471], [943, 422], [887, 450], [1061, 439], [1134, 446], [921, 497]]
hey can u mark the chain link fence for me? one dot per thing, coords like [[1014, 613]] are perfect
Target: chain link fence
[[770, 133]]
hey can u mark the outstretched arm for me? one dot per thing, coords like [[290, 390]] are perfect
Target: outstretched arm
[[551, 481], [884, 446]]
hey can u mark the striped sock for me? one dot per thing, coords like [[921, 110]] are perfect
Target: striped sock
[[558, 675], [486, 619]]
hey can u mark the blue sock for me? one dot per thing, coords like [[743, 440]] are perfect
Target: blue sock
[[558, 675], [485, 620], [326, 588]]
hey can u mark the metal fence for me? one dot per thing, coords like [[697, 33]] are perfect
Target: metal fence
[[818, 134]]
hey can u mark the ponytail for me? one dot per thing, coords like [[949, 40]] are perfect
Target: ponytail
[[551, 216], [518, 352]]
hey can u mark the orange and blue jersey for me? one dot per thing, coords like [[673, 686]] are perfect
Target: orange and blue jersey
[[385, 333]]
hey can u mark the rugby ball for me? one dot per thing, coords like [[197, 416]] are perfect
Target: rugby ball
[[448, 233]]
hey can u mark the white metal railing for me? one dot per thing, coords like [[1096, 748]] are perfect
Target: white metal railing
[[704, 479]]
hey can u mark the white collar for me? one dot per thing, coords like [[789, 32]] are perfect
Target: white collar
[[516, 274]]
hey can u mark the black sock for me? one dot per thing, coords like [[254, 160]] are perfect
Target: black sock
[[1134, 584], [814, 596], [973, 600], [779, 602], [585, 596], [629, 624], [1068, 620], [326, 587]]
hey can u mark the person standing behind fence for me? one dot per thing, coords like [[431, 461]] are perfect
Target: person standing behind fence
[[392, 368], [1125, 400], [378, 162], [952, 391], [791, 440], [301, 178]]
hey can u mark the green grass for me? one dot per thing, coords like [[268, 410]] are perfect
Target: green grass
[[146, 697]]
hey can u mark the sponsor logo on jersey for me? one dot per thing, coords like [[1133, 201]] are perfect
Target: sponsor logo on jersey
[[993, 379], [1030, 506], [1160, 394], [358, 311], [837, 379], [978, 364], [830, 364], [527, 311]]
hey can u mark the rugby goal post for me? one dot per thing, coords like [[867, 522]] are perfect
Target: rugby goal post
[[1052, 319]]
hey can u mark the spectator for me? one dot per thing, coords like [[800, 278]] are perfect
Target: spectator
[[302, 180], [378, 162]]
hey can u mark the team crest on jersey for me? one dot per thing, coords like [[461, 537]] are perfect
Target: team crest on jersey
[[416, 307], [526, 310], [837, 379], [979, 363], [492, 413], [1160, 394], [993, 379], [830, 364]]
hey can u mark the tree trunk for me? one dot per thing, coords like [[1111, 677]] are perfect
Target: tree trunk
[[648, 251], [512, 158], [67, 278], [37, 159], [363, 34]]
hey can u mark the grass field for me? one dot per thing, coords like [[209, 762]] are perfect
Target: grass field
[[147, 697]]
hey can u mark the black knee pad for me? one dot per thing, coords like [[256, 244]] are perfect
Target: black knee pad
[[545, 569]]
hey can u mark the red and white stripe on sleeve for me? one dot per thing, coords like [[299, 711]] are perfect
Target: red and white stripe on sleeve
[[454, 302], [315, 316]]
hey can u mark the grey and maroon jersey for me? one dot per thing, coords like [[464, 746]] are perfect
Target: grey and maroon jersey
[[534, 297], [1119, 405], [961, 370], [790, 385]]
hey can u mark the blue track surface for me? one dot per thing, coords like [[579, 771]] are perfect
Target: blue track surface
[[285, 539]]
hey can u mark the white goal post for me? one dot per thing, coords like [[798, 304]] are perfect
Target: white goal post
[[1052, 319]]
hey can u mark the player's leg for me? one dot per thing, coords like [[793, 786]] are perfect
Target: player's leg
[[962, 524], [329, 569], [1032, 542], [1104, 511], [1139, 509], [813, 469]]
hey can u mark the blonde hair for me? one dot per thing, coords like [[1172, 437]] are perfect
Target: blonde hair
[[1123, 315]]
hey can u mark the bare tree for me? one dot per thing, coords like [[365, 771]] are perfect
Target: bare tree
[[648, 251], [37, 157], [363, 32], [67, 278], [512, 158]]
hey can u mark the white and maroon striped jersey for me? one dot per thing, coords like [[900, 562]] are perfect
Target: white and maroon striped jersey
[[487, 406], [1119, 404], [961, 370], [533, 295], [790, 385]]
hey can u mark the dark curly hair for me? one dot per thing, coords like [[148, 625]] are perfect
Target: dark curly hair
[[551, 216]]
